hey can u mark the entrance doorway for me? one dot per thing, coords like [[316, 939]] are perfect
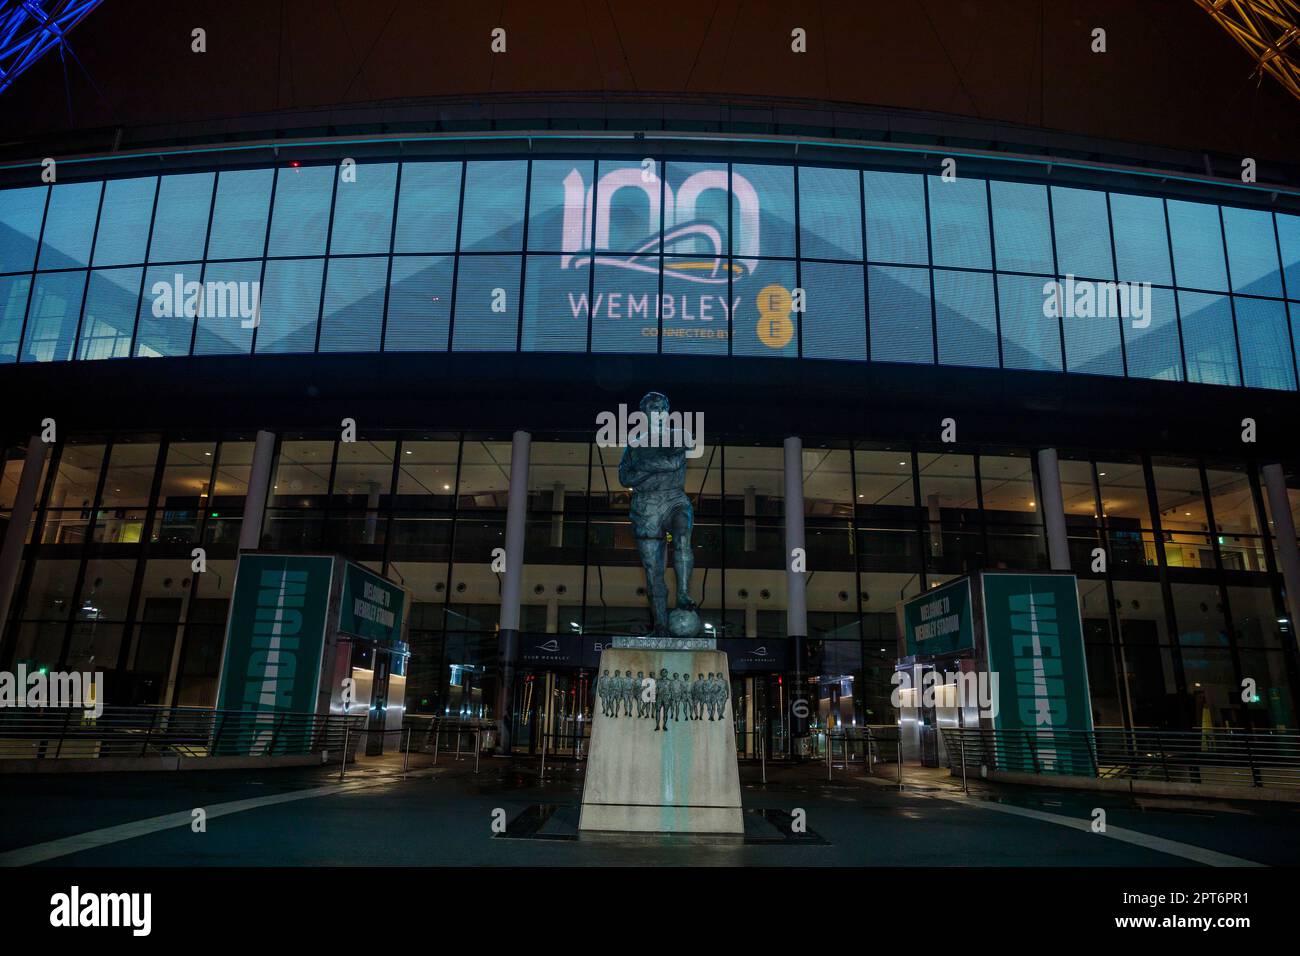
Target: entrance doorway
[[555, 704]]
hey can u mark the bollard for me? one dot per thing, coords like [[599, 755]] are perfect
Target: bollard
[[406, 757], [829, 746], [478, 747], [437, 738], [543, 756], [762, 752], [459, 730], [898, 755], [964, 788], [343, 766]]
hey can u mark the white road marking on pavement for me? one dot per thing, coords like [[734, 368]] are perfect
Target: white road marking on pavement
[[52, 849], [1160, 844]]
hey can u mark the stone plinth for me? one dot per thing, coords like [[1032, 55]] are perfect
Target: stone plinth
[[683, 779]]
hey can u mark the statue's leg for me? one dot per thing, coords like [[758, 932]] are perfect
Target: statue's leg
[[683, 555], [653, 556]]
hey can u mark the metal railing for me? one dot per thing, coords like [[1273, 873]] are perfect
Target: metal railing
[[125, 732], [1208, 757]]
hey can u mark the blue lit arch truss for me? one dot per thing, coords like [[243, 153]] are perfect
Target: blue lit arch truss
[[28, 28]]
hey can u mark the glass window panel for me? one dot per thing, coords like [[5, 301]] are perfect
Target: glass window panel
[[1030, 339], [301, 473], [555, 306], [1232, 500], [1008, 487], [290, 306], [109, 320], [354, 304], [827, 481], [21, 211], [428, 207], [762, 210], [895, 217], [835, 318], [1179, 495], [419, 303], [183, 494], [830, 213], [124, 221], [1123, 494], [1209, 344], [168, 310], [363, 473], [627, 215], [487, 304], [959, 223], [300, 220], [1141, 240], [180, 224], [1255, 620], [239, 217], [70, 226], [557, 204], [1077, 496], [426, 476], [699, 223], [625, 309], [696, 317], [105, 591], [1198, 245], [1265, 344], [884, 482], [1252, 251], [966, 318], [484, 474], [1153, 351], [765, 328], [1092, 346], [1288, 237], [1082, 233], [363, 210], [1294, 310], [129, 478], [1198, 613], [221, 330], [493, 220], [13, 306], [901, 326], [53, 317], [1021, 227]]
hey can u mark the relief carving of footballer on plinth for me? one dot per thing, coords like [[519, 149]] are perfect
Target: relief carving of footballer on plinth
[[663, 742]]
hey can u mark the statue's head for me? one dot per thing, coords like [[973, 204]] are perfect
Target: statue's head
[[606, 671], [616, 673], [701, 677], [710, 675], [654, 402], [664, 672], [640, 673]]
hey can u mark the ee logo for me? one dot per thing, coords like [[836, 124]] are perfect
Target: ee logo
[[775, 328]]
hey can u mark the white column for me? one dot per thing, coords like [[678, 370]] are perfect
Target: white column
[[259, 486], [1053, 508], [796, 582], [516, 515]]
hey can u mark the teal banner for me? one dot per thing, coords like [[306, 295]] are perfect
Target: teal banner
[[1035, 648], [939, 621], [372, 606], [275, 637]]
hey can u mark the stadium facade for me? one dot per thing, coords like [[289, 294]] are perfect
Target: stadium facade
[[915, 361]]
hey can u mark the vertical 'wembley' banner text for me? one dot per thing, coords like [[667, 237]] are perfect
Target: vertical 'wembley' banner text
[[1035, 645], [939, 621], [372, 606], [275, 637]]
